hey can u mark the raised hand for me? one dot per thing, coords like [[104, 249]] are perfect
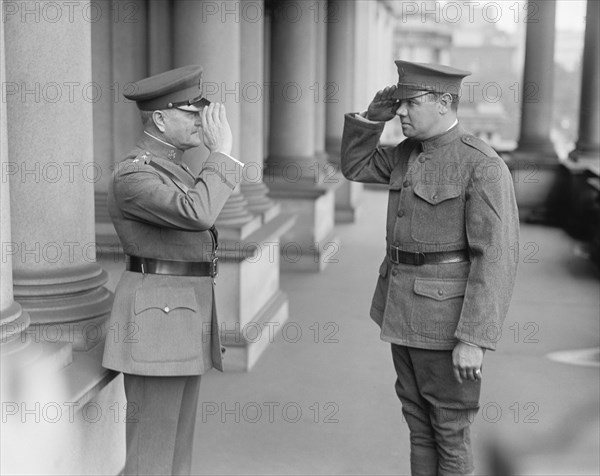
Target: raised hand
[[383, 106], [216, 132]]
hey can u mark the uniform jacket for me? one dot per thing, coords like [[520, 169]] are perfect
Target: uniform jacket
[[166, 325], [450, 192]]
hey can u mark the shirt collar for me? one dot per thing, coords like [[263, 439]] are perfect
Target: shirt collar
[[159, 147]]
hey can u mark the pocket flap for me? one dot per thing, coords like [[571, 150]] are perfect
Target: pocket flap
[[165, 299], [440, 289], [437, 193]]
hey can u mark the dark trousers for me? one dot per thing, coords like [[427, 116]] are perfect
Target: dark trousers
[[437, 409], [160, 421]]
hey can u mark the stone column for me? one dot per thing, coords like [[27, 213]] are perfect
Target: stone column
[[50, 145], [534, 163], [537, 87], [588, 143], [294, 170], [226, 38], [13, 321], [341, 72]]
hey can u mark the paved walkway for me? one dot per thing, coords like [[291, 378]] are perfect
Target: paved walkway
[[324, 402]]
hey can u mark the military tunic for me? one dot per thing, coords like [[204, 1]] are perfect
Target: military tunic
[[164, 325], [450, 192]]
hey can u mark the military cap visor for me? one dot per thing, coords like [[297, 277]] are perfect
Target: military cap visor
[[416, 78], [179, 88]]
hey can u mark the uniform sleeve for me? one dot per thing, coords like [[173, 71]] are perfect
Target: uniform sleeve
[[362, 158], [492, 225], [142, 195]]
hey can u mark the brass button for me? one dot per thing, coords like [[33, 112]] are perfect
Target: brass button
[[400, 213], [435, 197], [440, 292], [167, 309], [406, 183], [395, 272]]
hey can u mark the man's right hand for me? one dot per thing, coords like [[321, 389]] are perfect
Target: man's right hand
[[383, 106], [216, 132]]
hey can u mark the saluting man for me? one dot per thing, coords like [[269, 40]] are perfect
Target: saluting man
[[447, 278], [164, 306]]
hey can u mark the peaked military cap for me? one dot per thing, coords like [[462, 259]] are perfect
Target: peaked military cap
[[416, 78], [179, 88]]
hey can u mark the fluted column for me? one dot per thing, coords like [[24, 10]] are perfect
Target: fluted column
[[342, 59], [252, 96], [50, 145], [588, 142], [209, 33], [538, 83]]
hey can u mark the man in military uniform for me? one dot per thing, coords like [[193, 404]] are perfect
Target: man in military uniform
[[163, 322], [447, 278]]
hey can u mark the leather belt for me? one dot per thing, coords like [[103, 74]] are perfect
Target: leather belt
[[398, 256], [173, 268]]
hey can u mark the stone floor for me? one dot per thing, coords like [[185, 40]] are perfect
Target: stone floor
[[321, 399]]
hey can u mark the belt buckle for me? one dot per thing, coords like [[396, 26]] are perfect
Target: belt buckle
[[419, 258], [214, 267], [394, 256]]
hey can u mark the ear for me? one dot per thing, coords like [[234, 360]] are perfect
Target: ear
[[158, 117], [445, 102]]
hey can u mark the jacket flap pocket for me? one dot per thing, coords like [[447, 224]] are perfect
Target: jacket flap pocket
[[165, 299], [440, 289], [383, 269], [437, 193]]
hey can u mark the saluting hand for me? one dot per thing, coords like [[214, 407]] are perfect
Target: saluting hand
[[216, 132], [467, 360], [383, 106]]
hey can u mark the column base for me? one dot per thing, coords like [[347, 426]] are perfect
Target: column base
[[348, 194], [310, 245], [245, 347], [347, 200], [538, 151], [83, 335], [249, 299], [537, 188]]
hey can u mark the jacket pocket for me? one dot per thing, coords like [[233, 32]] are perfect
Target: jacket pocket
[[168, 325], [438, 213], [437, 304]]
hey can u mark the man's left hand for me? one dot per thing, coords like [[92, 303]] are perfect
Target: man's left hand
[[466, 361]]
